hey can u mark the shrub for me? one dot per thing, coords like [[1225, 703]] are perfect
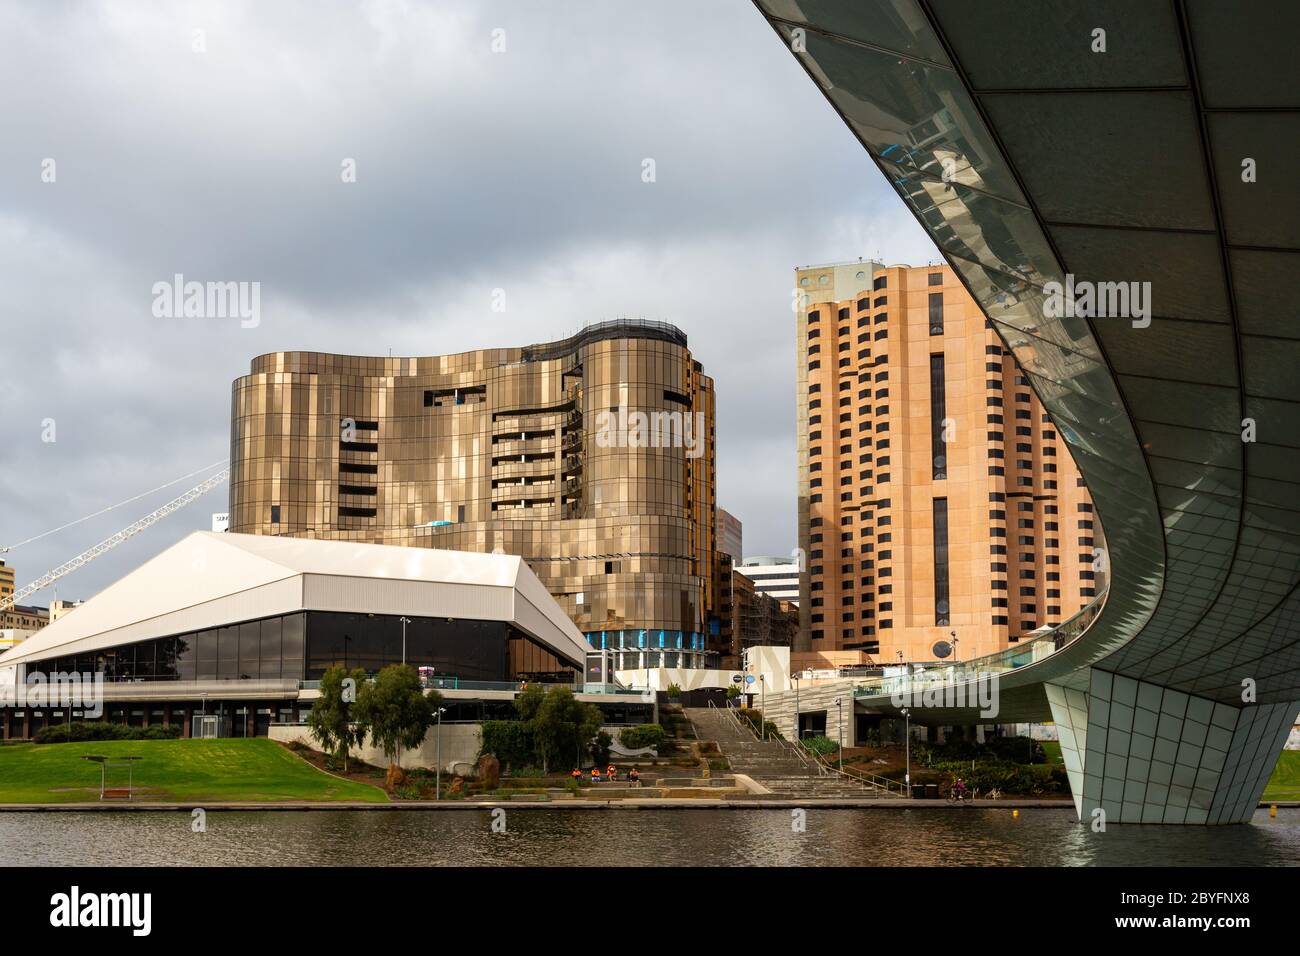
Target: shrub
[[674, 691], [644, 735], [1017, 749], [821, 745], [509, 740], [527, 771], [159, 732], [80, 730]]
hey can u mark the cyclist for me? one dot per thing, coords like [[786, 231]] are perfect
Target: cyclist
[[959, 790]]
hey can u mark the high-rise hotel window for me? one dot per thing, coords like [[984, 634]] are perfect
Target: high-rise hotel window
[[936, 313], [275, 514], [941, 595], [938, 413]]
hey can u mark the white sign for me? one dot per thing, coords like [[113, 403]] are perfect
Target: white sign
[[221, 521]]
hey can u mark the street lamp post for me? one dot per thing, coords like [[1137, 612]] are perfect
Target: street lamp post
[[405, 621], [907, 749], [839, 720], [797, 734], [437, 756]]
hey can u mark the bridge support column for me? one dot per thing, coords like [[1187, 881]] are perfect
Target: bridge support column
[[1143, 753]]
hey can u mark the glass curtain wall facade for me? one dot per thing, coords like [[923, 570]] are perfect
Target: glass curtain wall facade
[[935, 495], [592, 458], [289, 648], [303, 645]]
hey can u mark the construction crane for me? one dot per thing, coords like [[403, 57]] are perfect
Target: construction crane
[[198, 491]]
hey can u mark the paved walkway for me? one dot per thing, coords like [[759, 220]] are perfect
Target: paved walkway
[[731, 803]]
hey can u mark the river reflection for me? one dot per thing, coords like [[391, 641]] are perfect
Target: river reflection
[[635, 838]]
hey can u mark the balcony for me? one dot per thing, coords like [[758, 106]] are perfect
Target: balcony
[[525, 446], [542, 467], [516, 491]]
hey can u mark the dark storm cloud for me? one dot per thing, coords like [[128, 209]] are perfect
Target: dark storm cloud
[[476, 171]]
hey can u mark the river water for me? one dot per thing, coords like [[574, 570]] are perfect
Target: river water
[[937, 837]]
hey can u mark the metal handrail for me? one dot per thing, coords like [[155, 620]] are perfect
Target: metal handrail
[[870, 779], [781, 742], [1004, 660], [728, 712]]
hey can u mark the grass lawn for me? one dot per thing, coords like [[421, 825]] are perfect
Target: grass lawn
[[1052, 750], [183, 770], [1285, 782]]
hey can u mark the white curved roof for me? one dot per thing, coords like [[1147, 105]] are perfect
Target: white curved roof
[[209, 579]]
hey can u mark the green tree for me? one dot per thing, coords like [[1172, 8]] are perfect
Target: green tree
[[600, 748], [396, 710], [589, 733], [333, 720], [529, 701], [561, 725]]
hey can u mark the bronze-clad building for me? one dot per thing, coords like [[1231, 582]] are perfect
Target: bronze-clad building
[[592, 458]]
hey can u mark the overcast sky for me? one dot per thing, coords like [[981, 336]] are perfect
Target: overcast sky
[[218, 155]]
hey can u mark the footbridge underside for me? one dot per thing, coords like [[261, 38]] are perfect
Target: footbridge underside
[[1053, 149]]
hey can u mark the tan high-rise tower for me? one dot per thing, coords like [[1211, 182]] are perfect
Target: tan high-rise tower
[[935, 496]]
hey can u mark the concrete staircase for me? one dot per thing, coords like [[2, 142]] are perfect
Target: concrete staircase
[[772, 763]]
